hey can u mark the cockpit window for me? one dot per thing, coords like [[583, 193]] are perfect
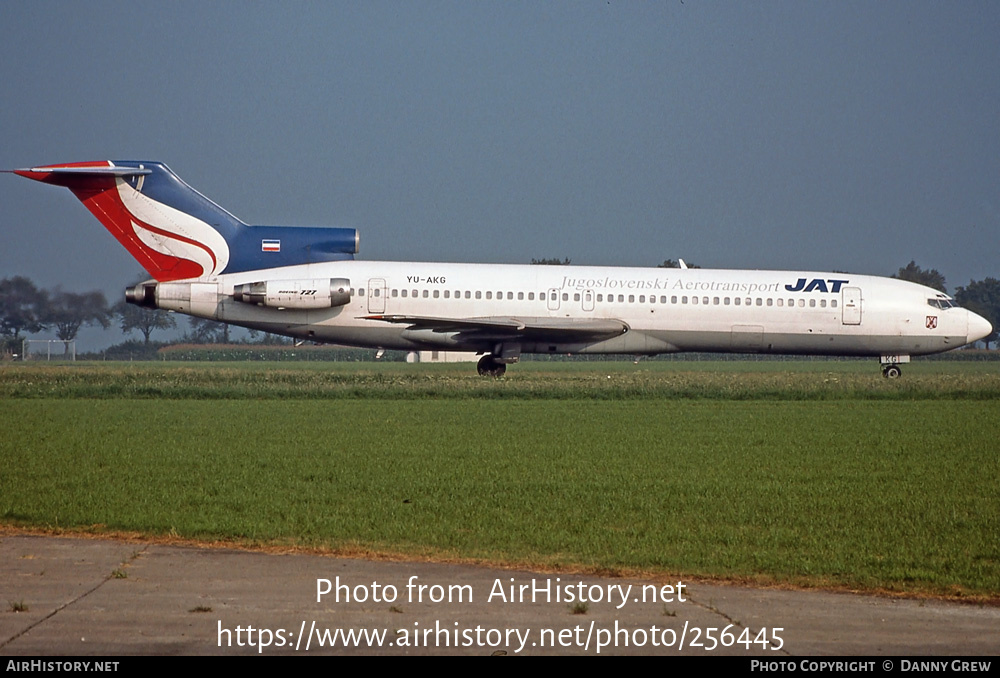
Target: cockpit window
[[943, 304]]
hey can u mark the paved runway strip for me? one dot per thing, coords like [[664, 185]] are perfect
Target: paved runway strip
[[108, 598]]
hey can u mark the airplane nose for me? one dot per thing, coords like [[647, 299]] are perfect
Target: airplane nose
[[979, 327]]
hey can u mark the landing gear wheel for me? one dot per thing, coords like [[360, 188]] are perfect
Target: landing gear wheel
[[891, 371], [488, 367]]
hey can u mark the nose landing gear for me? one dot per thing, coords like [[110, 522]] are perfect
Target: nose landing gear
[[891, 363], [891, 371]]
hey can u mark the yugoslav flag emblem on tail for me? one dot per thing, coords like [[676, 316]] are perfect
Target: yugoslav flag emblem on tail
[[270, 245], [171, 241]]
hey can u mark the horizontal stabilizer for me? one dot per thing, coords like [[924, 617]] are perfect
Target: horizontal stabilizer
[[95, 171]]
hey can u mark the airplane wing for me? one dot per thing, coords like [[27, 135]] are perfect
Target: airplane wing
[[514, 327]]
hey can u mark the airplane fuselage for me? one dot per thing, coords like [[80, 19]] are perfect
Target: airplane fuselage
[[662, 310], [304, 282]]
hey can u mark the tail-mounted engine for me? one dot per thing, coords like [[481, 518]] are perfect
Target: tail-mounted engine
[[143, 294], [203, 298], [299, 294]]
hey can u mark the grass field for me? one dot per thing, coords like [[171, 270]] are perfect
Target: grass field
[[811, 473], [619, 380]]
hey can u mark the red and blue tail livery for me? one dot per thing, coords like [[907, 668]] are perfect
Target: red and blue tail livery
[[177, 233], [304, 282]]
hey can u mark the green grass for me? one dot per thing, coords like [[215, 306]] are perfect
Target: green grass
[[873, 485], [721, 380]]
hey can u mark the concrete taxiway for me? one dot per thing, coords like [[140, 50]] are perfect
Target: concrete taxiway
[[97, 597]]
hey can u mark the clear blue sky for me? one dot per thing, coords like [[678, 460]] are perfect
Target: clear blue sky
[[807, 135]]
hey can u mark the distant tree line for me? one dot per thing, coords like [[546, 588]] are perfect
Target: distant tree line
[[551, 262], [670, 263], [24, 308]]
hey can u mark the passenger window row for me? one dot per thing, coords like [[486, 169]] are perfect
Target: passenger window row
[[692, 300]]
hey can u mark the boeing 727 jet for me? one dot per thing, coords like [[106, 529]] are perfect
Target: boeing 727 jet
[[304, 282]]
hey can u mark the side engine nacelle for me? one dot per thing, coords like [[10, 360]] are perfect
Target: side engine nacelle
[[297, 294], [196, 298]]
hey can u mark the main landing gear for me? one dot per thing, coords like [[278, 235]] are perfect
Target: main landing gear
[[494, 363], [489, 367]]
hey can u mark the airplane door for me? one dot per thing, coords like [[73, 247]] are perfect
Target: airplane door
[[588, 300], [376, 295], [851, 302], [553, 300]]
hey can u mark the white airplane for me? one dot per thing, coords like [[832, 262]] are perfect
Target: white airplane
[[303, 282]]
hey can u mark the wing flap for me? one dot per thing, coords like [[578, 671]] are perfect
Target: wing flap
[[514, 327]]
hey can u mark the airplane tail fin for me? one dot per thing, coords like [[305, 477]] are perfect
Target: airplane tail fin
[[175, 232]]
